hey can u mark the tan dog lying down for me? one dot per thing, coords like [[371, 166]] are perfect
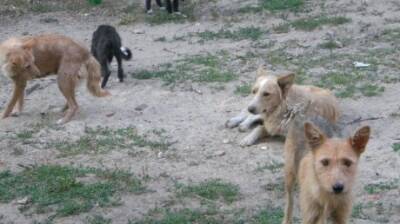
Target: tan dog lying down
[[34, 57], [276, 101]]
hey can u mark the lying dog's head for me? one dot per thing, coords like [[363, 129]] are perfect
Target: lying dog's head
[[335, 159], [269, 91], [20, 63]]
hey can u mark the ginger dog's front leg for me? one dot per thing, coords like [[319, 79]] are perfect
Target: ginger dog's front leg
[[17, 96]]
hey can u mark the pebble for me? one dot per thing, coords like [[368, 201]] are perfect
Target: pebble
[[219, 153]]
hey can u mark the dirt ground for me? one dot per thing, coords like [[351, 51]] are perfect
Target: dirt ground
[[192, 114]]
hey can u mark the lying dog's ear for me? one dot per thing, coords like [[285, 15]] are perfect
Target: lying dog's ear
[[285, 82], [314, 136], [262, 70], [360, 139]]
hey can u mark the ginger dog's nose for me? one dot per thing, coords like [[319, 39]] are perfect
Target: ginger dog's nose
[[338, 188]]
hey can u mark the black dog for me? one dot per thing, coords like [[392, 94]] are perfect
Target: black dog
[[171, 6], [106, 44]]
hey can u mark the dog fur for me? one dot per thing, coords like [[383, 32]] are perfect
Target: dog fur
[[106, 44], [276, 101], [325, 164], [27, 58], [172, 6]]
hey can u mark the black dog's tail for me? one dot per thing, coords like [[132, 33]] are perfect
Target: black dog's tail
[[126, 53]]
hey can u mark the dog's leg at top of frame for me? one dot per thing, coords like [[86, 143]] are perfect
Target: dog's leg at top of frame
[[176, 5], [256, 134], [159, 3], [250, 122], [169, 5], [19, 88]]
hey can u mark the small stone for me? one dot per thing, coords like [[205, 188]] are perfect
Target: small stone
[[141, 107], [25, 33], [219, 153], [138, 31], [225, 141], [160, 155], [264, 147], [110, 114], [23, 201], [48, 20]]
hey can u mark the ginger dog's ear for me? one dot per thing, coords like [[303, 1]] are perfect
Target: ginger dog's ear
[[360, 139], [262, 70], [314, 136], [285, 82]]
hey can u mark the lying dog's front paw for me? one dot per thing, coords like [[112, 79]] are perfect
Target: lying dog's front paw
[[243, 127], [234, 121], [248, 141]]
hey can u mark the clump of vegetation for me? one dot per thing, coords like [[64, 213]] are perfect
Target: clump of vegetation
[[198, 68], [104, 139], [273, 5], [309, 24], [381, 187], [268, 216], [348, 84], [396, 147], [183, 216], [57, 189], [244, 89], [214, 189], [330, 45], [251, 33]]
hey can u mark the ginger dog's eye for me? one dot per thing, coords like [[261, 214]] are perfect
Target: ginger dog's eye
[[28, 66], [347, 162], [325, 162], [265, 94]]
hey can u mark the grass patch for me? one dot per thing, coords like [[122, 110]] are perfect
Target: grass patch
[[243, 89], [381, 187], [396, 147], [243, 33], [309, 24], [98, 219], [273, 5], [207, 68], [271, 166], [268, 216], [104, 139], [348, 84], [282, 28], [214, 189], [184, 216], [329, 45], [57, 189], [391, 35]]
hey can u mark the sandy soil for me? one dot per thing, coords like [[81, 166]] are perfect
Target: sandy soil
[[193, 114]]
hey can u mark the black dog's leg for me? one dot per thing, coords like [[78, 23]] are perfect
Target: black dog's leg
[[120, 69], [176, 5], [169, 6], [159, 3], [105, 71], [148, 5]]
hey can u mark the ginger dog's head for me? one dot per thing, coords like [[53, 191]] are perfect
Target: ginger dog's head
[[335, 159], [20, 63], [269, 92]]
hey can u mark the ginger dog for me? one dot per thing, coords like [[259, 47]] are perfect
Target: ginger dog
[[27, 58], [276, 102], [326, 165]]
